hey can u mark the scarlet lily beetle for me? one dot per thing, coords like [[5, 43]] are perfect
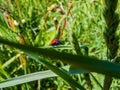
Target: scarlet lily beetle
[[55, 42]]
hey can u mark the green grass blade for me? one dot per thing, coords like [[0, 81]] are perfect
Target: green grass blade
[[61, 72], [27, 78], [2, 21], [10, 61], [81, 62], [35, 76]]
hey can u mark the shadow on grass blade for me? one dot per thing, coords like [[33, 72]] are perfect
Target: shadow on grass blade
[[81, 62]]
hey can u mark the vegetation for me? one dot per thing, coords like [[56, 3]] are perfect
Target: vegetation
[[59, 45]]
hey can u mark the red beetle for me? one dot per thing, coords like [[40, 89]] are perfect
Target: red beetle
[[55, 42]]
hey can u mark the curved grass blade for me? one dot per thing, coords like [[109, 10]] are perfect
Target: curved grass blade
[[82, 62], [27, 78], [61, 72], [36, 76]]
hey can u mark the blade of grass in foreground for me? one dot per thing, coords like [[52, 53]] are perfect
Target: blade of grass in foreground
[[58, 71], [81, 62], [27, 78], [61, 72], [35, 76]]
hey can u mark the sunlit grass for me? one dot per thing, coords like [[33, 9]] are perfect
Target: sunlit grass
[[37, 23]]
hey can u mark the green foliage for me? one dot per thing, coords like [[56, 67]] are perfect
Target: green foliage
[[27, 28]]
